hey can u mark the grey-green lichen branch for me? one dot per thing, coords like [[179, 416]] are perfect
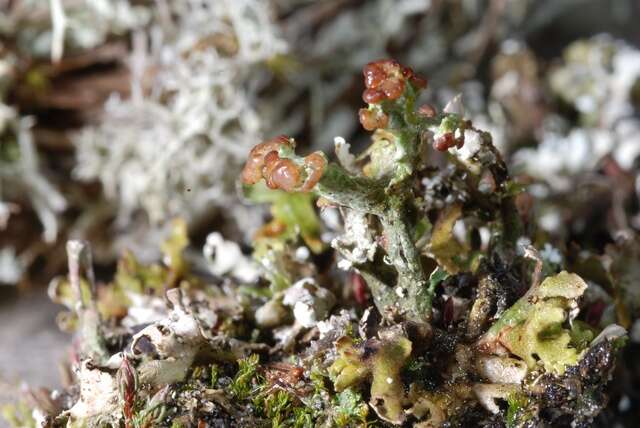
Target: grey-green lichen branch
[[383, 188], [84, 290]]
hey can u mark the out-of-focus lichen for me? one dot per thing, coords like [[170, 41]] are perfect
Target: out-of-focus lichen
[[23, 182], [293, 216], [205, 125], [624, 274], [135, 284], [595, 80], [18, 414], [48, 28]]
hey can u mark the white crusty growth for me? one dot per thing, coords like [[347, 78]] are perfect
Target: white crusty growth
[[311, 303]]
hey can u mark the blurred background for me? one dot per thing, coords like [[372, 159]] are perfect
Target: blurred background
[[117, 116]]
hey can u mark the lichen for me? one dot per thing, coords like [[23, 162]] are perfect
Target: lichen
[[381, 359], [431, 306], [205, 125], [533, 327]]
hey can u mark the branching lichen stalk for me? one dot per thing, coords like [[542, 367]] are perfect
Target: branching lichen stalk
[[391, 93]]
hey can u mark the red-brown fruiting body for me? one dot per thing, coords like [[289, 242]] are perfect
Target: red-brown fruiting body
[[427, 110], [359, 288], [444, 142], [264, 162], [269, 164], [317, 163], [372, 120], [419, 82], [270, 230], [386, 80], [372, 96], [374, 75], [252, 171], [285, 175], [392, 88]]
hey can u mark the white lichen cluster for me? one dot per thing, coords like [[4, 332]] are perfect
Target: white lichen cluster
[[597, 79], [44, 28], [559, 158], [174, 148], [23, 184], [20, 177]]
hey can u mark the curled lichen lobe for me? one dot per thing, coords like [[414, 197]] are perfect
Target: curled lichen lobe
[[315, 165], [265, 162], [427, 110], [256, 163], [386, 80], [281, 173], [372, 119]]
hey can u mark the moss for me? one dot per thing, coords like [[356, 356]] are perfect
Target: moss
[[350, 409], [214, 373], [581, 334], [246, 378], [283, 409], [18, 415], [276, 406], [516, 410]]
